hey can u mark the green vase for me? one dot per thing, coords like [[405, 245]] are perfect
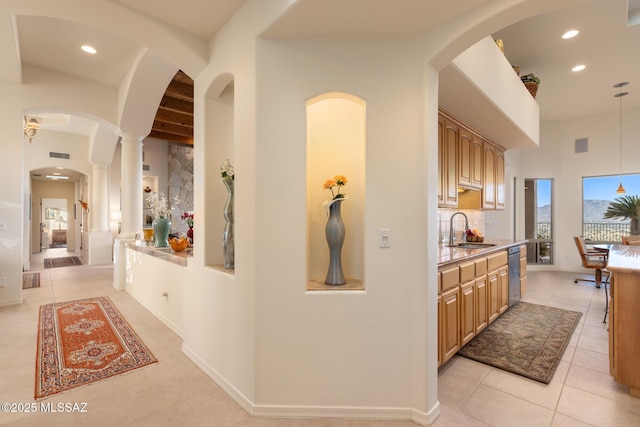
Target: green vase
[[161, 229]]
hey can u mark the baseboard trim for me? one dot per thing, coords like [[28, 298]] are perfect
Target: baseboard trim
[[355, 413], [327, 412], [233, 392], [168, 323], [11, 302]]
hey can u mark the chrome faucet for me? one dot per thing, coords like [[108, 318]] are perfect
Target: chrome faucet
[[466, 226]]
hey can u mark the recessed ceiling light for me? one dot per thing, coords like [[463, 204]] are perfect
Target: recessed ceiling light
[[59, 167], [56, 173], [570, 34], [578, 68], [88, 49], [56, 177]]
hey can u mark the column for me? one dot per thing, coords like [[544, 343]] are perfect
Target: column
[[130, 204], [131, 186], [100, 239]]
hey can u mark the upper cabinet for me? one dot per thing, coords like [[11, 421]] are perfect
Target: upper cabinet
[[470, 170], [469, 161]]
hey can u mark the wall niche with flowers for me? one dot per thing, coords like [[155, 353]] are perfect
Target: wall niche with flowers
[[335, 170]]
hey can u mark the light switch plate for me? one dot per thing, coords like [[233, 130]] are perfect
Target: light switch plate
[[384, 237]]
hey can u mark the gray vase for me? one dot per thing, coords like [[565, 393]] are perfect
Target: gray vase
[[335, 233], [227, 236], [161, 229]]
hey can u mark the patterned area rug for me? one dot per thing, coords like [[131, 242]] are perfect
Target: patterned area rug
[[528, 340], [84, 341], [30, 280], [67, 261]]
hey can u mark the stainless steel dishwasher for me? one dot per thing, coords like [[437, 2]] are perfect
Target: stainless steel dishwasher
[[514, 275]]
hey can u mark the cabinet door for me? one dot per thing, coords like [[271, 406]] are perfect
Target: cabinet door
[[503, 279], [465, 159], [494, 295], [439, 328], [499, 175], [523, 275], [441, 179], [489, 184], [467, 312], [450, 325], [477, 169], [481, 303], [450, 176]]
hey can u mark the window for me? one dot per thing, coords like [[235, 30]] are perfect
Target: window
[[538, 220], [597, 193]]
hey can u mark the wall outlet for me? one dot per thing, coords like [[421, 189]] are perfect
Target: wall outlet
[[3, 282]]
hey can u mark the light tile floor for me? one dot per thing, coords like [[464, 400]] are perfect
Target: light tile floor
[[174, 392]]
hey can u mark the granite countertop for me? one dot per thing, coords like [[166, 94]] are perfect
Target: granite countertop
[[447, 255], [167, 254], [624, 259]]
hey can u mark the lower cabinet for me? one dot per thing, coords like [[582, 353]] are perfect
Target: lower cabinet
[[450, 323], [472, 295]]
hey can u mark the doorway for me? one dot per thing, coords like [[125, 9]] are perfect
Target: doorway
[[538, 217], [54, 224]]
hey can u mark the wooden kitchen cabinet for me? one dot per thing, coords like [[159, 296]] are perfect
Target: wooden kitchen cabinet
[[499, 175], [503, 279], [493, 191], [624, 327], [468, 160], [470, 150], [467, 312], [439, 334], [481, 315], [450, 323], [523, 270], [448, 162]]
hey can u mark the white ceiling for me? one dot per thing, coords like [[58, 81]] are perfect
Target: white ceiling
[[608, 48]]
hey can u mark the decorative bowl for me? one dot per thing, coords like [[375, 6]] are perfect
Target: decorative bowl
[[179, 245]]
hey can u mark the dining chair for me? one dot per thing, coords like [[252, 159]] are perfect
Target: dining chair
[[631, 240], [596, 260]]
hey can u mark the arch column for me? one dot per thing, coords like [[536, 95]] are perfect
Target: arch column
[[131, 186], [130, 205], [100, 239]]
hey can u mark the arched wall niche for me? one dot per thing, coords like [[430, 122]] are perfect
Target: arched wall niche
[[336, 145], [219, 145]]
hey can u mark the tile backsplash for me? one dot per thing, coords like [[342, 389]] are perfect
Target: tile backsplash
[[444, 217]]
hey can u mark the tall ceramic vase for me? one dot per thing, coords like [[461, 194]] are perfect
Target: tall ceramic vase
[[335, 232], [161, 229], [227, 237]]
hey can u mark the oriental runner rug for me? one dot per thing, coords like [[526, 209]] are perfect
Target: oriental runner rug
[[528, 340], [84, 341], [66, 261], [30, 280]]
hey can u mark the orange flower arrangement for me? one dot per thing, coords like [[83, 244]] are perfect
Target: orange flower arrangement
[[337, 181]]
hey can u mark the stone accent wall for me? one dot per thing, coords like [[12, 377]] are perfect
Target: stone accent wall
[[181, 182]]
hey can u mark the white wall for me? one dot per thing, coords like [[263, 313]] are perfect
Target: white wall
[[363, 343]]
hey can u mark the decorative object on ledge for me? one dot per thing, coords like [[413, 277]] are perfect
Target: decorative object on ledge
[[148, 234], [179, 245], [159, 205], [85, 206], [228, 177], [161, 229], [531, 82], [188, 217], [334, 230]]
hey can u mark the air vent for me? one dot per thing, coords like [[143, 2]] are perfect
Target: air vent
[[582, 145], [146, 168], [59, 155]]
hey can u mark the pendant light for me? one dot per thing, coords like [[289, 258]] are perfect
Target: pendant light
[[620, 189]]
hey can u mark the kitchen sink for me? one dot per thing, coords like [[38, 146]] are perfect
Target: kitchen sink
[[472, 245]]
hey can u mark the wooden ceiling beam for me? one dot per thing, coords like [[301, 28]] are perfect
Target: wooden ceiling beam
[[172, 128], [182, 139], [174, 117], [174, 104], [180, 90]]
